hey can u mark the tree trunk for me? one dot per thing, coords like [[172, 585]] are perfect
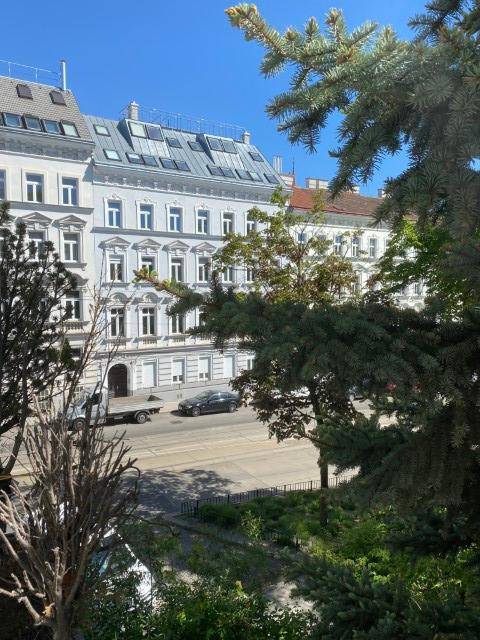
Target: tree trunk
[[63, 626], [323, 511]]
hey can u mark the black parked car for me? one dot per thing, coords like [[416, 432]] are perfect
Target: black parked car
[[209, 402]]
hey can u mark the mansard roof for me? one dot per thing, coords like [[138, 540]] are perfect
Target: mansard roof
[[346, 203]]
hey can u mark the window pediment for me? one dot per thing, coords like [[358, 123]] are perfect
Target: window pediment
[[70, 223], [36, 220], [116, 243], [177, 247], [148, 245], [204, 248]]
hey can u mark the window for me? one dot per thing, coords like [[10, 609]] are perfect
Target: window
[[250, 224], [244, 175], [176, 270], [175, 219], [204, 368], [178, 371], [177, 323], [195, 146], [337, 245], [301, 237], [3, 184], [182, 165], [71, 246], [174, 142], [256, 156], [32, 123], [70, 191], [255, 176], [114, 213], [146, 216], [101, 130], [357, 285], [202, 318], [150, 161], [372, 248], [227, 223], [168, 163], [111, 154], [115, 269], [355, 247], [249, 362], [51, 126], [154, 133], [148, 321], [215, 171], [37, 238], [34, 185], [271, 178], [72, 305], [24, 91], [134, 158], [418, 288], [202, 221], [57, 97], [216, 144], [228, 173], [229, 146], [203, 269], [249, 275], [147, 263], [12, 120], [69, 129], [117, 322], [227, 274], [137, 129]]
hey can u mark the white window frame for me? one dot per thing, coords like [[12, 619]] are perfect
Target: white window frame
[[373, 244], [36, 241], [145, 257], [204, 265], [123, 315], [249, 271], [183, 368], [355, 247], [230, 217], [337, 246], [151, 320], [174, 322], [231, 271], [208, 359], [118, 202], [115, 258], [76, 305], [71, 244], [34, 184], [202, 221], [250, 225], [171, 216], [249, 362], [69, 190], [3, 172], [182, 261], [141, 213]]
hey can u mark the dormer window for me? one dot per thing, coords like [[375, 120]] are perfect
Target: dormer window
[[12, 120], [150, 161], [24, 91], [57, 97], [51, 126], [69, 129], [194, 145], [111, 154], [217, 144], [256, 156], [101, 130], [32, 123], [174, 142], [154, 133], [134, 158], [137, 129], [271, 178]]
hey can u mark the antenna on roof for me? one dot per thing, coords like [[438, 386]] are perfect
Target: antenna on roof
[[63, 74]]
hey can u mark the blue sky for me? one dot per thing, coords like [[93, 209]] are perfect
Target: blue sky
[[181, 56]]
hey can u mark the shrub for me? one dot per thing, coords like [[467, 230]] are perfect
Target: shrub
[[222, 515]]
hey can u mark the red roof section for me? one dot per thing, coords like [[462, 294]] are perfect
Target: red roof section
[[346, 203]]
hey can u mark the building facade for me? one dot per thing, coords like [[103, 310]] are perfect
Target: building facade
[[115, 196]]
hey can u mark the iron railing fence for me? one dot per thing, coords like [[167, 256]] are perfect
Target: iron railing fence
[[191, 507]]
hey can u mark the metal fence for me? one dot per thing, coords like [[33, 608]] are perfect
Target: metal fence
[[191, 507]]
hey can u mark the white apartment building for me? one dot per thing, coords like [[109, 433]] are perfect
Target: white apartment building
[[118, 195]]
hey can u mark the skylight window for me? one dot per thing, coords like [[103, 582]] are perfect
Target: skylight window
[[229, 146], [154, 133], [101, 130], [150, 161], [255, 176], [168, 163], [134, 158], [24, 91], [57, 97], [174, 142], [228, 173], [111, 154], [32, 123], [12, 120], [271, 178], [256, 156], [51, 126], [215, 144], [215, 171], [195, 146], [137, 129], [69, 129], [182, 165], [244, 175]]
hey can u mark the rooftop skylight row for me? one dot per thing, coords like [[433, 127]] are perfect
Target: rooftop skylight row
[[42, 125]]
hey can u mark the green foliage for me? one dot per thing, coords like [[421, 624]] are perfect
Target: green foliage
[[252, 525], [222, 515], [222, 611]]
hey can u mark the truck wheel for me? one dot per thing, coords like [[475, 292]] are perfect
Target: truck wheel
[[195, 412], [141, 417], [79, 424], [232, 407]]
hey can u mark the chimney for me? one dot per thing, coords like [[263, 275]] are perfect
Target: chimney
[[132, 111], [316, 183], [63, 74], [355, 189], [381, 193], [246, 136], [277, 163]]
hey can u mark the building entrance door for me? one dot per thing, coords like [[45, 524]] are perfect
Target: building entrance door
[[117, 381]]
